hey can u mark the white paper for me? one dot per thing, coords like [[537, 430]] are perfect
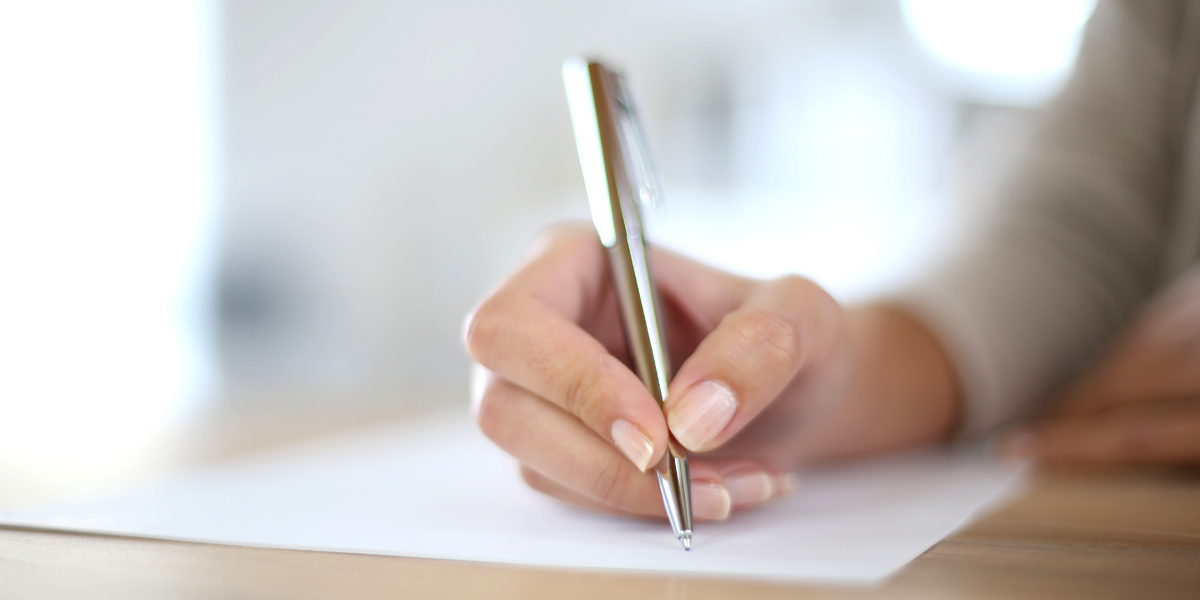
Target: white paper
[[435, 488]]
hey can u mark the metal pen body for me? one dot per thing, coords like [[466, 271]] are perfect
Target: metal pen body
[[604, 125], [648, 351]]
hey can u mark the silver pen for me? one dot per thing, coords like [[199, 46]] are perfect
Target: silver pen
[[619, 177]]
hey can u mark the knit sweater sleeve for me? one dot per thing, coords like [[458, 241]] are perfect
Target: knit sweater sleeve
[[1079, 242]]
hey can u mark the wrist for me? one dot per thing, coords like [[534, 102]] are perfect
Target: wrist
[[905, 367], [898, 389]]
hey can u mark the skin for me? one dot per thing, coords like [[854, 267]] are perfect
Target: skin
[[812, 381], [1140, 402]]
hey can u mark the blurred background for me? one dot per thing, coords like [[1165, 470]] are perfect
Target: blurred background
[[282, 210]]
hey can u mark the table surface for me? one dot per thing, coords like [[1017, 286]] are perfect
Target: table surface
[[1093, 534]]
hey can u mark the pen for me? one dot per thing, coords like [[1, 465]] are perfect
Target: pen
[[618, 177]]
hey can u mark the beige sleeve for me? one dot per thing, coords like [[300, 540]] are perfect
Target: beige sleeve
[[1079, 243]]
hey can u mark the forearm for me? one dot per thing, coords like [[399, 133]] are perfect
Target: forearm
[[1080, 236]]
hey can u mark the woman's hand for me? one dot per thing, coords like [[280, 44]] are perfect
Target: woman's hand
[[1140, 403], [769, 374]]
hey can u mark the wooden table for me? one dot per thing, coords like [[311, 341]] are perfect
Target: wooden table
[[1097, 534]]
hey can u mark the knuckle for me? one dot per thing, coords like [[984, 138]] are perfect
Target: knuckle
[[802, 288], [795, 285], [579, 393], [480, 327], [612, 483], [769, 337], [586, 390]]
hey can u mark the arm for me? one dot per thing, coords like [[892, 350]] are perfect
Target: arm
[[1080, 245]]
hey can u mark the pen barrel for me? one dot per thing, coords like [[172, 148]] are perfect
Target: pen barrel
[[679, 472], [644, 338], [647, 346], [602, 114]]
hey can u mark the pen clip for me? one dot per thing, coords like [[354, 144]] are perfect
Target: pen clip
[[641, 169]]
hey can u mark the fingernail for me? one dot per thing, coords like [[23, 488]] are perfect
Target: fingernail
[[634, 444], [1018, 444], [702, 414], [750, 488], [710, 501]]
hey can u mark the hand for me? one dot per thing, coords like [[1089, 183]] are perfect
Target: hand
[[1140, 403], [772, 374]]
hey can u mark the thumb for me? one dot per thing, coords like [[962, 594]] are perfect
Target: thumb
[[752, 355]]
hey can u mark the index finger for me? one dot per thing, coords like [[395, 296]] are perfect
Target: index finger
[[528, 332], [753, 354]]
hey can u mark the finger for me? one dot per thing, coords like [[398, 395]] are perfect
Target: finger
[[1154, 359], [700, 490], [554, 489], [752, 355], [1109, 383], [1129, 436], [1135, 373], [560, 447], [751, 483], [568, 270], [525, 332], [694, 298], [703, 295], [1087, 396]]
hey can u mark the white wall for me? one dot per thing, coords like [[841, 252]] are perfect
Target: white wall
[[106, 234], [386, 162]]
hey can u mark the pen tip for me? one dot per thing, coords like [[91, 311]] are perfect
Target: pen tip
[[686, 540]]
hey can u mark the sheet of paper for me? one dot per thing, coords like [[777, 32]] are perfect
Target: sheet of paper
[[435, 488]]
